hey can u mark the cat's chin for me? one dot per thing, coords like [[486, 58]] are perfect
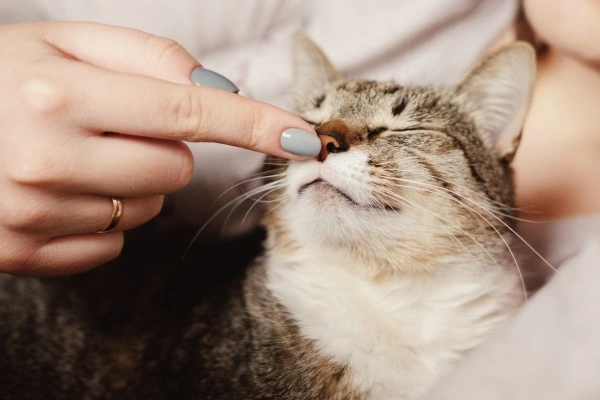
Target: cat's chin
[[322, 195], [326, 191]]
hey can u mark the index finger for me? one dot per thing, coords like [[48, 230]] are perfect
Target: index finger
[[138, 105], [121, 49]]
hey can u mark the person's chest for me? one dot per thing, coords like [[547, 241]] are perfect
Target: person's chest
[[199, 26]]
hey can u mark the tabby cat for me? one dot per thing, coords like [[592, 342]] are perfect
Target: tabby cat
[[386, 259]]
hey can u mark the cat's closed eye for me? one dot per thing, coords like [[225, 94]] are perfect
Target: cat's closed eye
[[373, 133], [381, 131]]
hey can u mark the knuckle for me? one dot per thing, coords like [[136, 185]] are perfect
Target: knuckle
[[23, 215], [259, 126], [43, 97], [185, 115], [33, 168], [162, 51]]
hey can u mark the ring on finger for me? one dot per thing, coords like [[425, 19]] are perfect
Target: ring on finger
[[116, 215]]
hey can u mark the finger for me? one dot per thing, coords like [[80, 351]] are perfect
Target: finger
[[43, 215], [68, 255], [131, 166], [109, 164], [134, 212], [123, 165], [150, 107], [122, 49]]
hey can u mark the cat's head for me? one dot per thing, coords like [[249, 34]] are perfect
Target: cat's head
[[404, 171]]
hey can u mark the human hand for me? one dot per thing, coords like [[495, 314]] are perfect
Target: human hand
[[89, 112]]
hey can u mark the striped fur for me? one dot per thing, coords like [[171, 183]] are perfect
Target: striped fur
[[392, 251]]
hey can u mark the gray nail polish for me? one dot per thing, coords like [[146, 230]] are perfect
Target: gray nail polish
[[300, 142], [205, 77]]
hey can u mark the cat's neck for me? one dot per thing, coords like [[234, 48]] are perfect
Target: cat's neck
[[370, 324], [558, 162]]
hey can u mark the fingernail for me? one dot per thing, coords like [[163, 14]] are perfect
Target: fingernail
[[300, 142], [205, 77]]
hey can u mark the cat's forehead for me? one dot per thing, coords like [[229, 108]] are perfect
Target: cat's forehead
[[388, 101]]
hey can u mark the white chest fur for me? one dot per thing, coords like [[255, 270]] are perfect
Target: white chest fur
[[397, 336]]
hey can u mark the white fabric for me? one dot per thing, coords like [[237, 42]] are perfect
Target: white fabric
[[558, 240], [552, 349]]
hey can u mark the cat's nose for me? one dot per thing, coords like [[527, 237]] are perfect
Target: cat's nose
[[329, 144], [335, 137]]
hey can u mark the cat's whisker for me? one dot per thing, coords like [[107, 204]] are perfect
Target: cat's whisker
[[472, 211], [274, 208], [455, 239], [244, 197], [236, 202], [488, 211], [447, 181], [259, 200], [498, 205], [436, 189], [254, 177], [266, 189], [481, 217], [425, 211]]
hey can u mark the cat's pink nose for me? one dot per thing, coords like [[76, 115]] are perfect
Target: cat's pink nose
[[328, 145]]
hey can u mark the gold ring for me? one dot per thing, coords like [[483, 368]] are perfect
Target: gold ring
[[116, 215]]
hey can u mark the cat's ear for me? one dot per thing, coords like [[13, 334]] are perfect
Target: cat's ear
[[498, 93], [312, 69]]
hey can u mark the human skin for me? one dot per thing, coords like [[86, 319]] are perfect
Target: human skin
[[90, 111], [557, 164]]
